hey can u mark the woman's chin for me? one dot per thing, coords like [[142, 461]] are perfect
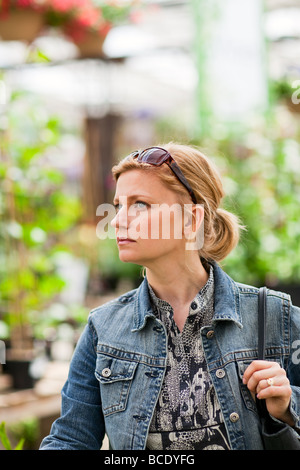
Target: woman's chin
[[128, 257]]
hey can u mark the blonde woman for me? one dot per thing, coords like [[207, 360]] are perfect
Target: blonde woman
[[172, 365]]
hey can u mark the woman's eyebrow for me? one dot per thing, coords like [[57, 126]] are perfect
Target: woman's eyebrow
[[133, 197]]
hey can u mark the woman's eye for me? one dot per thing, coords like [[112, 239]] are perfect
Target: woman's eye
[[140, 205], [117, 207]]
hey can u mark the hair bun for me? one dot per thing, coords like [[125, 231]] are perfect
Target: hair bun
[[222, 236]]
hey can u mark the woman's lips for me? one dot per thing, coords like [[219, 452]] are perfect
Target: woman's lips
[[124, 241]]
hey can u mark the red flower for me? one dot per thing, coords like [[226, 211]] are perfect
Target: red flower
[[61, 5]]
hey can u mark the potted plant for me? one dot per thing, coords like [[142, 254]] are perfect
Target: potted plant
[[20, 20], [85, 22], [90, 21]]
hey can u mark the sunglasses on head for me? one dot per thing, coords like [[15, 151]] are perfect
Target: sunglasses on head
[[157, 156]]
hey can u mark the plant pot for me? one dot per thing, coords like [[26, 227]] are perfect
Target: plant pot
[[19, 370], [91, 45], [20, 25], [18, 363]]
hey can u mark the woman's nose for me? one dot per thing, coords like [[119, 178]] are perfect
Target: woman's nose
[[121, 218]]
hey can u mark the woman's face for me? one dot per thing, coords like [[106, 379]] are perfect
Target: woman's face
[[147, 231]]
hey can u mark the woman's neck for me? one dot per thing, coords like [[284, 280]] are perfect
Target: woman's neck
[[177, 283]]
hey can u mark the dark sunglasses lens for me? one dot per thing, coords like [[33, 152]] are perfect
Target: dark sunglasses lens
[[153, 156]]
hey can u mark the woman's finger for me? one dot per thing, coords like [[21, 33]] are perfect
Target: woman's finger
[[261, 371]]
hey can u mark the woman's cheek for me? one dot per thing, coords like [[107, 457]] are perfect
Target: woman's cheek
[[139, 227]]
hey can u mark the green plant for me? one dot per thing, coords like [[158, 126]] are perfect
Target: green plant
[[281, 89], [5, 440], [26, 432], [36, 211]]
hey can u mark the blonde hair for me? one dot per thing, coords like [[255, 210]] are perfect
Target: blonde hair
[[221, 228]]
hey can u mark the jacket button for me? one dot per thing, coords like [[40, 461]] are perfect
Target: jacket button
[[234, 417], [220, 373], [210, 334], [106, 372]]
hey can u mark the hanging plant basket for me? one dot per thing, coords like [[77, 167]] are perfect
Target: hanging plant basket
[[91, 45], [21, 25]]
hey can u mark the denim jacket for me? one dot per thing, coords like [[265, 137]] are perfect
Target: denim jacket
[[119, 364]]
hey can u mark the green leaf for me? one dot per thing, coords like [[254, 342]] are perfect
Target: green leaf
[[20, 444], [4, 438]]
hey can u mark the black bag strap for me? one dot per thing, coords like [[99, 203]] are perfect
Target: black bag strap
[[262, 311], [262, 308]]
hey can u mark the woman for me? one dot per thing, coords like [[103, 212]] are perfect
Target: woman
[[172, 364]]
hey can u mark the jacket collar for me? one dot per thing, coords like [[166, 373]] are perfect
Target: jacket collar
[[142, 307], [227, 298], [227, 301]]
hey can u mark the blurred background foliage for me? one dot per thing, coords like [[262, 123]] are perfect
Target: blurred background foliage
[[36, 212], [261, 177]]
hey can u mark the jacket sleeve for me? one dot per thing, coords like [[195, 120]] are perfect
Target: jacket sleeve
[[81, 424], [293, 371]]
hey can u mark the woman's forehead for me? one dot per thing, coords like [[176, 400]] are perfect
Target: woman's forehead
[[139, 182]]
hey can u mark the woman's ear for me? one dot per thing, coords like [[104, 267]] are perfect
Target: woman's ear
[[198, 216], [194, 226]]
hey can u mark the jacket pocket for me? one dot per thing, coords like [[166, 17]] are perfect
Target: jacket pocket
[[245, 392], [115, 377]]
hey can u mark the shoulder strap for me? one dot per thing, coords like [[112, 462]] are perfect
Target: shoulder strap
[[262, 307]]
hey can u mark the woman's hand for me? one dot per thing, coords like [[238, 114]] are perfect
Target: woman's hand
[[268, 380]]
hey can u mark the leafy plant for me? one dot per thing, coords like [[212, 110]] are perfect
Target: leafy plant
[[26, 432], [6, 441]]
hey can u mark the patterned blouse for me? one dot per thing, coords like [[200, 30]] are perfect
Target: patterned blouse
[[187, 414]]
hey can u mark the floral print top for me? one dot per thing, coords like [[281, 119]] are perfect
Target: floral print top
[[187, 415]]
